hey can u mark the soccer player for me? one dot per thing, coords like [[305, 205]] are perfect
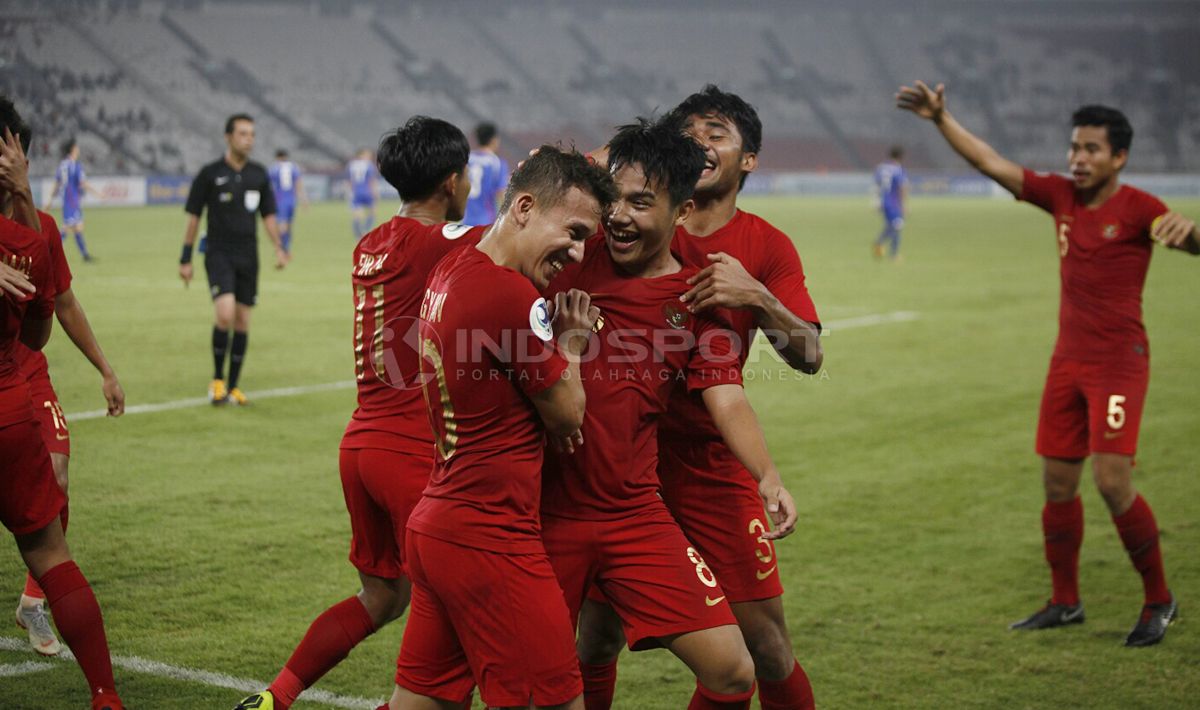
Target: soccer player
[[387, 450], [753, 270], [30, 498], [892, 182], [604, 522], [364, 192], [1096, 386], [71, 179], [489, 176], [287, 184], [486, 609], [30, 613], [232, 189]]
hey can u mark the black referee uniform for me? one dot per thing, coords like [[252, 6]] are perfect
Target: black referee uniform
[[232, 198]]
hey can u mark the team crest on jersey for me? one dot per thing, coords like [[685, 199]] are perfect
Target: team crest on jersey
[[539, 319], [251, 199], [676, 315], [454, 230], [1110, 231]]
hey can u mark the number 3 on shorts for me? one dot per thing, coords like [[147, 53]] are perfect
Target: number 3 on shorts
[[1116, 413]]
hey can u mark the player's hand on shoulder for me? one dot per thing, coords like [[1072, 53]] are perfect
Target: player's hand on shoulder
[[723, 283], [185, 273], [780, 505], [574, 316], [1172, 230], [114, 395], [15, 283], [922, 100]]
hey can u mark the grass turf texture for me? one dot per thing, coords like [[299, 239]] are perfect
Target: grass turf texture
[[214, 537]]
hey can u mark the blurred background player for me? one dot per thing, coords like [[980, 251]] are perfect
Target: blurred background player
[[891, 180], [364, 192], [232, 189], [31, 614], [30, 498], [387, 450], [1096, 386], [489, 176], [70, 178], [486, 607], [288, 187]]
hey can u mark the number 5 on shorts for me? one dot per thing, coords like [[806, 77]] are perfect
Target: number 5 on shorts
[[1116, 413]]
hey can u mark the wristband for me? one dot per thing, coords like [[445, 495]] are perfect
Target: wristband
[[186, 257]]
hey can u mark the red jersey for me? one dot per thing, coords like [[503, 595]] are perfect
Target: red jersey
[[391, 266], [33, 362], [648, 344], [1104, 256], [485, 350], [24, 250], [770, 257]]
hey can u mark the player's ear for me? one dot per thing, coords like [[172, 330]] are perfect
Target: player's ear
[[451, 183], [1120, 158], [749, 162], [684, 211], [522, 208]]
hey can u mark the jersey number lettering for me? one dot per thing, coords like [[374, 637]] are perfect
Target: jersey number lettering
[[446, 436], [702, 571], [766, 554], [1116, 413], [368, 314]]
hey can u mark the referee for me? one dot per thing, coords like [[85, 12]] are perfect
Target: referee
[[232, 189]]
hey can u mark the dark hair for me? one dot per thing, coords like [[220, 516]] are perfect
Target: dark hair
[[666, 156], [67, 146], [281, 153], [1120, 133], [484, 133], [896, 152], [552, 171], [234, 119], [416, 157], [712, 101], [11, 119]]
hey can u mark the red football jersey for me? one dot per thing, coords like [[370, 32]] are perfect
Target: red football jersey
[[646, 345], [770, 257], [486, 348], [391, 266], [24, 250], [33, 362], [1104, 256]]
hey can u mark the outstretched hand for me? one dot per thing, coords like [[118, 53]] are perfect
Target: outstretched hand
[[922, 100]]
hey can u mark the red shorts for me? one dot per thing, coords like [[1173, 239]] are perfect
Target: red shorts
[[486, 619], [49, 412], [1092, 407], [718, 507], [656, 581], [381, 488], [30, 498]]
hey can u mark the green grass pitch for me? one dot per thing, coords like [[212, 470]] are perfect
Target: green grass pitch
[[213, 537]]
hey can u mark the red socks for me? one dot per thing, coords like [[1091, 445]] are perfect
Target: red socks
[[1062, 526], [791, 693], [705, 699], [330, 639], [599, 684], [77, 616], [32, 589], [1139, 532]]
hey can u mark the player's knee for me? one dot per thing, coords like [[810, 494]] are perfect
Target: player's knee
[[599, 648], [738, 677], [772, 654]]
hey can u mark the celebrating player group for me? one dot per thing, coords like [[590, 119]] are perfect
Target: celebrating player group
[[552, 456]]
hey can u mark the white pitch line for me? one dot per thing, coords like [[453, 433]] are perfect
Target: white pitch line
[[828, 326], [9, 670], [191, 675]]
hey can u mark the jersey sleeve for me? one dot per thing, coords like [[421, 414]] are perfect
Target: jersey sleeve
[[534, 361], [714, 360], [58, 258], [266, 206], [1147, 209], [783, 276], [198, 194], [1044, 190]]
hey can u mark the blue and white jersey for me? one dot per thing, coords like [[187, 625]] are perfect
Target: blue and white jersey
[[70, 176], [890, 178], [362, 174], [284, 175], [489, 175]]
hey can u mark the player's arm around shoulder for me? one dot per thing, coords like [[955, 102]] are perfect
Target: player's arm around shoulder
[[1175, 231], [735, 419]]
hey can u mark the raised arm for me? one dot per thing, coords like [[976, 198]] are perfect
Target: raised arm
[[735, 419], [931, 104]]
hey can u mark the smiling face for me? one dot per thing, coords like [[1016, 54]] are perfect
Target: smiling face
[[725, 160], [641, 223], [553, 237], [1091, 157]]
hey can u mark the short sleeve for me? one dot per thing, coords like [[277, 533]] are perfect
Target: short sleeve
[[1147, 209], [266, 206], [531, 357], [783, 275], [1045, 190], [198, 194], [714, 360]]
